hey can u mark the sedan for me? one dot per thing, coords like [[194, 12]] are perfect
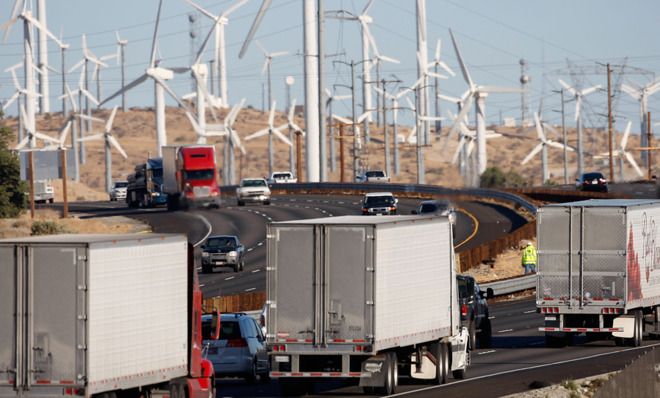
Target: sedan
[[592, 182]]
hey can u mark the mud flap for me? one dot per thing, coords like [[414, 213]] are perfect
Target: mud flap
[[459, 349], [628, 325], [373, 371]]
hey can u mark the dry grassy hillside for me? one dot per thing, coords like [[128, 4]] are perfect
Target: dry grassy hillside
[[135, 131]]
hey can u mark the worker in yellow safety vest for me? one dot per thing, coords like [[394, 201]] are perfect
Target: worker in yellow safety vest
[[529, 258]]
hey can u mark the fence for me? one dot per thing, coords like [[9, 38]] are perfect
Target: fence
[[475, 256], [236, 303], [640, 379]]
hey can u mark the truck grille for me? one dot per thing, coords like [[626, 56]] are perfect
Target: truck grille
[[201, 192]]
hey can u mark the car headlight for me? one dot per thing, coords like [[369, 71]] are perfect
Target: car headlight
[[205, 254], [232, 253]]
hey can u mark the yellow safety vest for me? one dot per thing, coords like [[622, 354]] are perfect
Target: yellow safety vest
[[529, 255]]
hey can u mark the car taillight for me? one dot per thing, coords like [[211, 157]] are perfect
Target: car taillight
[[464, 309], [602, 180], [365, 210], [233, 343]]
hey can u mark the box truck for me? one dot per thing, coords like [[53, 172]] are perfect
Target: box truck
[[102, 315], [366, 298], [599, 269], [190, 177]]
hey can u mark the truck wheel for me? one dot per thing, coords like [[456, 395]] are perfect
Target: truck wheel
[[237, 267], [251, 376], [391, 375], [472, 330], [636, 340], [486, 334], [442, 363], [267, 202], [207, 269], [241, 203], [555, 341], [459, 374]]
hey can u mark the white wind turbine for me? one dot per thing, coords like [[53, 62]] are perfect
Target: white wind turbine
[[377, 60], [331, 98], [159, 76], [109, 140], [621, 154], [96, 72], [295, 129], [476, 93], [219, 56], [578, 94], [466, 143], [32, 135], [357, 137], [267, 63], [16, 97], [435, 63], [543, 148], [642, 94], [270, 131]]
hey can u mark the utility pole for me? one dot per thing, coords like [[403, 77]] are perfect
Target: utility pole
[[563, 133], [357, 144], [524, 80], [650, 144], [342, 169], [609, 119], [299, 173], [323, 158], [386, 138], [65, 208], [64, 93]]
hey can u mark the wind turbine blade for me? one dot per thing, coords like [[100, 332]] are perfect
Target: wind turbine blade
[[632, 162], [410, 104], [254, 27], [235, 111], [77, 65], [271, 115], [194, 124], [265, 67], [295, 127], [464, 70], [292, 109], [23, 143], [653, 88], [93, 137], [328, 93], [202, 48], [129, 86], [446, 67], [89, 95], [111, 119], [461, 142], [590, 90], [496, 89], [363, 116], [90, 118], [533, 153], [578, 102], [13, 18], [417, 83], [431, 118], [449, 98], [152, 60], [64, 131], [278, 54], [459, 118], [236, 140], [630, 91], [258, 134], [113, 141], [437, 51], [366, 8], [552, 129], [390, 59], [437, 75], [170, 92], [539, 127], [370, 37], [626, 133], [202, 10], [567, 87], [11, 100], [342, 119], [234, 7], [470, 147], [559, 145], [45, 137], [41, 27], [282, 137]]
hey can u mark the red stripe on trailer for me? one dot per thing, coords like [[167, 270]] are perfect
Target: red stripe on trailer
[[335, 374], [355, 374], [43, 382], [66, 381]]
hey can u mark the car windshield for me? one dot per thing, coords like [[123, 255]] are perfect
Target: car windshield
[[379, 200], [434, 207], [281, 176], [198, 174], [592, 176], [229, 330], [121, 184], [221, 242], [253, 183], [157, 173], [374, 174]]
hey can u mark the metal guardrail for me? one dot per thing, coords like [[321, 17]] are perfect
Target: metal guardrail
[[513, 285]]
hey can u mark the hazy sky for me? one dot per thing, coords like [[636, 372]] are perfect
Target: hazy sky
[[493, 36]]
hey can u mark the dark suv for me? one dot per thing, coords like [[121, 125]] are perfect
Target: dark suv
[[474, 311], [222, 250]]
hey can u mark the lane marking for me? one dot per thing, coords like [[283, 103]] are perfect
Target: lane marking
[[255, 271], [250, 249], [491, 317], [260, 244], [208, 225], [201, 285], [250, 289], [523, 370], [230, 278], [529, 312], [505, 331], [486, 352], [474, 232]]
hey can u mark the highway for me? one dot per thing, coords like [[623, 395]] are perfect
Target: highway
[[518, 357]]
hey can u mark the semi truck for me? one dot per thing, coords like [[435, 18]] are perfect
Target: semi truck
[[599, 270], [102, 316], [190, 177], [375, 298], [145, 185]]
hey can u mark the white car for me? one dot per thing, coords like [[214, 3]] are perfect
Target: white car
[[118, 191], [279, 177], [373, 176], [253, 190]]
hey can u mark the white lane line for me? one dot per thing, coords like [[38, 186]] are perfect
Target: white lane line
[[505, 331], [340, 202], [537, 343], [250, 249], [529, 312], [201, 285], [230, 278], [491, 317], [254, 271], [325, 201], [545, 365], [208, 225], [198, 268], [250, 289], [486, 352], [260, 244]]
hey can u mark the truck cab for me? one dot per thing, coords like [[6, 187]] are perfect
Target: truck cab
[[190, 176]]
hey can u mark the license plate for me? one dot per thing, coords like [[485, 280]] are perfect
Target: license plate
[[550, 318], [281, 358]]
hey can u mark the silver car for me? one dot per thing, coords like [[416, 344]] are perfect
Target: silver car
[[253, 190], [240, 350]]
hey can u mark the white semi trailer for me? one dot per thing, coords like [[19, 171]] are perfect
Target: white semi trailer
[[599, 270], [368, 298]]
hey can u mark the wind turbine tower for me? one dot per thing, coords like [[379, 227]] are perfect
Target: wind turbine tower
[[525, 79], [193, 33], [44, 104]]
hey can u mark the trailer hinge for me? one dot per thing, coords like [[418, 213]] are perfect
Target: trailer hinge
[[270, 236], [82, 257], [370, 237], [82, 347], [369, 302], [371, 269], [82, 317], [270, 268], [82, 287]]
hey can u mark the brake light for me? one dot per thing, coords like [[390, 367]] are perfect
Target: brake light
[[464, 309], [234, 343], [365, 210]]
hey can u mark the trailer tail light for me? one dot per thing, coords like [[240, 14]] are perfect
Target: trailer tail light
[[234, 343], [549, 310], [608, 310], [74, 391], [464, 309], [279, 348]]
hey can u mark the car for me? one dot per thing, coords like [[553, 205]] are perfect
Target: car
[[279, 177], [373, 176], [240, 350], [441, 207], [222, 251], [379, 203], [253, 190], [474, 311], [118, 190], [594, 181]]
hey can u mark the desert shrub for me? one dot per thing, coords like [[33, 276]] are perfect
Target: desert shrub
[[46, 228], [12, 189], [494, 177]]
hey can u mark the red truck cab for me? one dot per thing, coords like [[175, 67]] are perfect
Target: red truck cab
[[190, 177]]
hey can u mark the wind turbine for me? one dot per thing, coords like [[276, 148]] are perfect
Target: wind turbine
[[295, 129], [121, 43], [331, 98], [367, 40], [159, 75], [466, 144], [219, 56], [377, 60], [32, 135], [109, 140], [642, 94], [578, 94], [543, 148], [621, 154], [270, 131], [357, 138], [435, 63], [16, 97], [266, 68], [96, 73], [476, 93]]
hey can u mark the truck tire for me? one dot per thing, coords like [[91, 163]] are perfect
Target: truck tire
[[472, 330], [207, 269], [241, 203], [391, 375], [442, 366], [485, 337]]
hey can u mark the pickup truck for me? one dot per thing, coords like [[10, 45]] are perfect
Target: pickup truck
[[253, 190], [373, 176], [222, 250], [279, 177]]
